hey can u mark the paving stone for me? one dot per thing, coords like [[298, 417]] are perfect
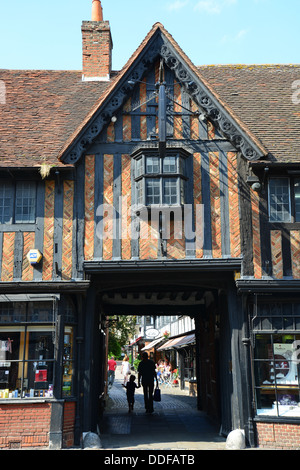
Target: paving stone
[[176, 424]]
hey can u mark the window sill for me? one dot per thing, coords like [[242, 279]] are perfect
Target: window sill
[[277, 419], [30, 400], [20, 401], [286, 225], [20, 227]]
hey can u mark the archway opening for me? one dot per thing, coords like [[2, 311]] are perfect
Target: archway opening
[[178, 326]]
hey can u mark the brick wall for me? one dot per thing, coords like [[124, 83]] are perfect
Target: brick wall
[[24, 425], [89, 212], [276, 250], [278, 436], [7, 269], [256, 235], [68, 425], [295, 253], [96, 49]]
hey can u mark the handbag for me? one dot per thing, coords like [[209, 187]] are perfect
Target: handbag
[[156, 395]]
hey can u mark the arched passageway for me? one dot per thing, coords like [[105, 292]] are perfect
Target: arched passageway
[[208, 296]]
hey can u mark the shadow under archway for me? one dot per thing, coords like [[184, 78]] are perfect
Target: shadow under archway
[[176, 424]]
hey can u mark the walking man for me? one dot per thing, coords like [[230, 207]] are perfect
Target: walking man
[[112, 365], [146, 375]]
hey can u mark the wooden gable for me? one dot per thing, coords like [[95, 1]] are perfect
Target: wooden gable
[[108, 169], [159, 45]]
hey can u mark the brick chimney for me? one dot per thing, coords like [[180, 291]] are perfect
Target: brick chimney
[[96, 46]]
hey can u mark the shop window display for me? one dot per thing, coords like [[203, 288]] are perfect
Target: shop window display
[[68, 362], [28, 334], [26, 362], [276, 369], [190, 363]]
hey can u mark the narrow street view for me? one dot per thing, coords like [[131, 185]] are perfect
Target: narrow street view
[[176, 424]]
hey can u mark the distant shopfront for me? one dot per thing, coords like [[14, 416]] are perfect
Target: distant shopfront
[[181, 353]]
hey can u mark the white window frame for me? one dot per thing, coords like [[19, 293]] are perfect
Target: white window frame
[[271, 219], [141, 176]]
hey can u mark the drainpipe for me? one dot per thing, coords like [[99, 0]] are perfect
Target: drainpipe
[[250, 427]]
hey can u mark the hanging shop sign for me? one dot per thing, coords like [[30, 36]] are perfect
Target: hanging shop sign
[[152, 333], [34, 256]]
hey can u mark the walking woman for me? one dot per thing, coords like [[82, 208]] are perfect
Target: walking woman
[[125, 369]]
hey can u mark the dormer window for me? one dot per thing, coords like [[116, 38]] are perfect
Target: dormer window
[[160, 181]]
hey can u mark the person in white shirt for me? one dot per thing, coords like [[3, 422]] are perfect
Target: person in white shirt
[[125, 369]]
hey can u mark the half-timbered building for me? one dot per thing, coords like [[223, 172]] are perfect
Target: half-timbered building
[[160, 189]]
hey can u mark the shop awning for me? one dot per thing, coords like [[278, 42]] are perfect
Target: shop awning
[[168, 345], [179, 342], [152, 344], [135, 341], [186, 340]]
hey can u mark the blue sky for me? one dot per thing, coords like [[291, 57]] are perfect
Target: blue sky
[[35, 34]]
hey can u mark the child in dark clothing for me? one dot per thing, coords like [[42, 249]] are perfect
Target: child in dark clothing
[[130, 390]]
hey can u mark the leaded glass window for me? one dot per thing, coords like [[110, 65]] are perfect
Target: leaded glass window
[[160, 180]]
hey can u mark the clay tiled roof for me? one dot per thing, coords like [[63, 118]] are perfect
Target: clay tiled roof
[[261, 95], [45, 111], [39, 111]]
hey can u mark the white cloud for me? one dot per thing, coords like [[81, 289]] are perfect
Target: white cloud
[[177, 5], [213, 6], [241, 34], [236, 38], [208, 6]]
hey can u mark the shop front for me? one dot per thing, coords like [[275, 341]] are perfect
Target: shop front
[[274, 321], [37, 370], [181, 353]]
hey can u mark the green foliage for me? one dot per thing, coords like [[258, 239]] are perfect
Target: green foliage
[[114, 347], [120, 330], [136, 364]]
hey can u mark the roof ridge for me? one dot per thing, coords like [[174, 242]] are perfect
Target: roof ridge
[[39, 70], [249, 65]]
